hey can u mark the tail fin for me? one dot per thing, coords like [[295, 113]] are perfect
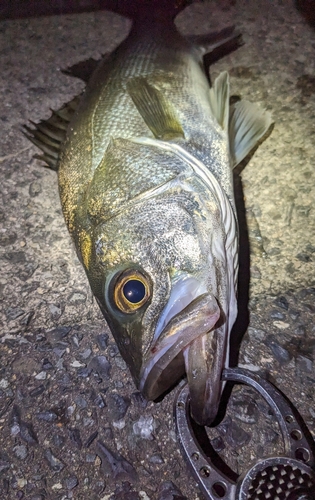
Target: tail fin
[[139, 9]]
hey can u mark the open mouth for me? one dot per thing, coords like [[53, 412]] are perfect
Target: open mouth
[[169, 355]]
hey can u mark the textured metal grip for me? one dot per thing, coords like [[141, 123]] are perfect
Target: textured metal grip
[[277, 478]]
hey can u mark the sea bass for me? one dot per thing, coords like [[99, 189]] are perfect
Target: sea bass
[[145, 178]]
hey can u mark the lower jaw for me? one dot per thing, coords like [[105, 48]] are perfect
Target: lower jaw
[[165, 363], [204, 382], [161, 381]]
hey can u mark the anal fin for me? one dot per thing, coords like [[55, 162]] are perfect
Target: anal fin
[[49, 135], [155, 109]]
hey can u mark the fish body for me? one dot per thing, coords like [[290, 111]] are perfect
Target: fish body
[[145, 177]]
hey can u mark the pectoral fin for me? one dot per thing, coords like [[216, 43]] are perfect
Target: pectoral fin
[[248, 123], [155, 109], [49, 135]]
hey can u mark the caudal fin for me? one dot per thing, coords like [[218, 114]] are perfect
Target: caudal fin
[[135, 9]]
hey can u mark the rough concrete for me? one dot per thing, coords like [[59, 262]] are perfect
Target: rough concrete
[[60, 386]]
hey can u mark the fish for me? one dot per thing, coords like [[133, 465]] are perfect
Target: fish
[[144, 160]]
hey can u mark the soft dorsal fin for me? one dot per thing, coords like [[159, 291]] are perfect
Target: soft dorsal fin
[[245, 122], [219, 99], [49, 135], [247, 125], [155, 109]]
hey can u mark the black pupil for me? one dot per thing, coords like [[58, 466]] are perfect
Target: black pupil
[[134, 291]]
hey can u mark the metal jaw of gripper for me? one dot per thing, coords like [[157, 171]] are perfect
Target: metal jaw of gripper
[[287, 477]]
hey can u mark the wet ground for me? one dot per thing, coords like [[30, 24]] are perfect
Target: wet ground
[[72, 424]]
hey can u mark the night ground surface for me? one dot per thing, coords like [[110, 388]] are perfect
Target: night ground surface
[[63, 386]]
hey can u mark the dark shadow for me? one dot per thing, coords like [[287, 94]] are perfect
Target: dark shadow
[[242, 320], [307, 9]]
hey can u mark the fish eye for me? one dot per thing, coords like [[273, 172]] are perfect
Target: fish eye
[[131, 291]]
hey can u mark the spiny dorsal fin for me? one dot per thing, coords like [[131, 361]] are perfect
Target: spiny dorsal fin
[[247, 125], [49, 135], [219, 99], [155, 110]]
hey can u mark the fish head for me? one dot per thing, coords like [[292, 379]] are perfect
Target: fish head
[[154, 267]]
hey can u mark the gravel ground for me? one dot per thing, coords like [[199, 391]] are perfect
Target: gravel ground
[[72, 424]]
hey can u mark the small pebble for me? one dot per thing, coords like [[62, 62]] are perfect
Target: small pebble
[[58, 440], [77, 364], [281, 325], [75, 437], [27, 433], [169, 491], [282, 302], [117, 406], [101, 366], [86, 353], [102, 340], [35, 189], [56, 486], [37, 391], [47, 365], [113, 350], [90, 457], [304, 257], [54, 462], [84, 372], [77, 297], [47, 416], [144, 427], [256, 334], [120, 363], [304, 364], [80, 402], [300, 331], [57, 334], [20, 451], [116, 465], [156, 459], [91, 438], [275, 314], [218, 444], [294, 314], [107, 433], [99, 401], [71, 482], [280, 353], [59, 351]]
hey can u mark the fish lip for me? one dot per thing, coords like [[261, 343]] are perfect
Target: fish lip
[[158, 373]]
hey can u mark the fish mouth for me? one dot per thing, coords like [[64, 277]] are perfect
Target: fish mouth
[[176, 351]]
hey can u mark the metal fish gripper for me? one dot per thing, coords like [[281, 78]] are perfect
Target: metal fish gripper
[[287, 477]]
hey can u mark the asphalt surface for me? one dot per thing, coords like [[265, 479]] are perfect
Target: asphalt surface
[[72, 424]]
